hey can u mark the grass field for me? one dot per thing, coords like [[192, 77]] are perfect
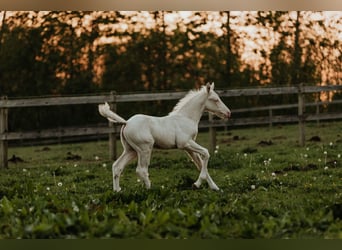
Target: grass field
[[270, 188]]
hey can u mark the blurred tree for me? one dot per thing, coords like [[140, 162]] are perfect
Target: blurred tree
[[305, 48], [74, 52], [22, 73]]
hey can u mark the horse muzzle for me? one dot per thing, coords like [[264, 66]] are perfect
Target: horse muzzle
[[223, 115]]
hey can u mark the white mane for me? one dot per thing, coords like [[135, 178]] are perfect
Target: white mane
[[182, 102]]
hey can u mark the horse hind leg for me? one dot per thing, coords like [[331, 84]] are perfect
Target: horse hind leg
[[144, 158], [196, 159], [119, 165]]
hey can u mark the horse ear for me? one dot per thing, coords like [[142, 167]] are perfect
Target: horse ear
[[208, 86], [212, 86]]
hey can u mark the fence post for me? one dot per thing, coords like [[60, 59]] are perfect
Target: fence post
[[3, 130], [270, 113], [212, 134], [301, 117], [112, 135], [317, 113]]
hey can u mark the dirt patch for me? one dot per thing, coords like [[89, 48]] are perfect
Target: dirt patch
[[232, 139], [315, 138], [249, 150], [73, 157], [265, 143], [15, 159]]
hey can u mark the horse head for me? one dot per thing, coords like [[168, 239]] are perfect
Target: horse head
[[214, 104]]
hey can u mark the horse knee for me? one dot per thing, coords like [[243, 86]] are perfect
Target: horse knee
[[205, 154]]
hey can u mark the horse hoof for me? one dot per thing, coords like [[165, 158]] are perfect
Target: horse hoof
[[194, 186]]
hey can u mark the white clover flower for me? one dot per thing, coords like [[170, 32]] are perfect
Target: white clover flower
[[75, 165], [325, 152], [216, 151], [104, 165], [307, 149], [75, 207], [267, 162], [326, 168], [245, 155], [96, 201], [60, 184], [48, 188], [331, 144], [252, 187], [305, 155], [217, 147], [97, 158], [339, 156], [24, 170], [273, 174]]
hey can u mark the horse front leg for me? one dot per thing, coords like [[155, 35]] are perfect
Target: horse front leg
[[200, 156]]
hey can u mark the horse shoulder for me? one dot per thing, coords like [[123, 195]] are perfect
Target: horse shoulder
[[185, 129]]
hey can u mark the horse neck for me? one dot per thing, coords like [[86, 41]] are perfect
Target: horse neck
[[194, 108]]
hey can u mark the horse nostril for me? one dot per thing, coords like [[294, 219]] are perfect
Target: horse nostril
[[228, 114]]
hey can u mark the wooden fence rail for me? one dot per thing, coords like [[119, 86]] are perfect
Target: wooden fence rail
[[113, 98]]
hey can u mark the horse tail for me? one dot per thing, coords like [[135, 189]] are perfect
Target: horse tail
[[105, 111]]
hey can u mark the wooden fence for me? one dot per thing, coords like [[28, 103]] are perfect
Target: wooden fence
[[113, 98]]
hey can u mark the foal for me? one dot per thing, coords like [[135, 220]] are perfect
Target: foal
[[179, 129]]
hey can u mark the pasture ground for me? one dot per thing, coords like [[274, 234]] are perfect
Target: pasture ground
[[270, 188]]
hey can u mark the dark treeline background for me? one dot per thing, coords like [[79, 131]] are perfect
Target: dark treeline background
[[77, 52]]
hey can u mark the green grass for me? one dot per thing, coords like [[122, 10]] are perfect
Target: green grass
[[270, 188]]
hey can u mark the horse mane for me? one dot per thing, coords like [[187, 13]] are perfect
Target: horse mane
[[182, 102]]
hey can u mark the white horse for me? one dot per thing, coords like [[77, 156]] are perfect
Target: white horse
[[179, 129]]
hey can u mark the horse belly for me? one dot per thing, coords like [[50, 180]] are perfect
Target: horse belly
[[168, 132], [164, 138]]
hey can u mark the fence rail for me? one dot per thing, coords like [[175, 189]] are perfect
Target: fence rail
[[112, 98]]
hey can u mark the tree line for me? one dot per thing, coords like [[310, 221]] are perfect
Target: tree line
[[78, 52]]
